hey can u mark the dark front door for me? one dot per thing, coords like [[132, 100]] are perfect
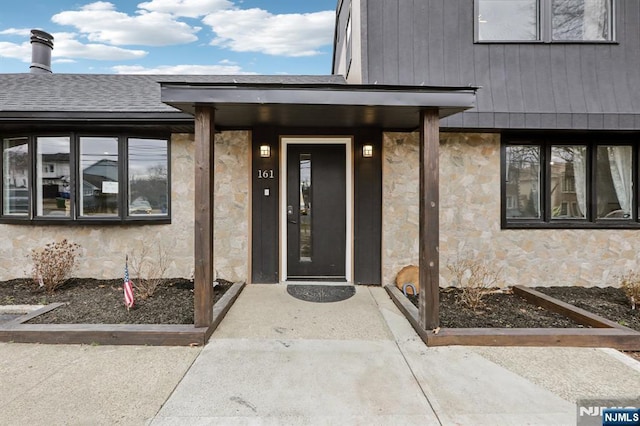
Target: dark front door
[[316, 211]]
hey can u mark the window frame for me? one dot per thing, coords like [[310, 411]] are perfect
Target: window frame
[[74, 219], [591, 141], [545, 27]]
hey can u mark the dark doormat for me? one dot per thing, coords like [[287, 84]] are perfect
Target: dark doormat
[[321, 293]]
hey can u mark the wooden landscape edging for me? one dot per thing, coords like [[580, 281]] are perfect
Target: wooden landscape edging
[[579, 315], [618, 337], [119, 334]]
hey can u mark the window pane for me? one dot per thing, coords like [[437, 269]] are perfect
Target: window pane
[[15, 179], [53, 173], [523, 182], [306, 231], [614, 182], [581, 20], [568, 182], [99, 171], [148, 177], [509, 20]]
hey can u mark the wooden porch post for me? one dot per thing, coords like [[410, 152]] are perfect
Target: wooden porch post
[[429, 265], [203, 250]]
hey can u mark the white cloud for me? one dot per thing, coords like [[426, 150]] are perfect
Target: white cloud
[[64, 61], [22, 32], [20, 51], [181, 69], [101, 22], [186, 8], [67, 46], [257, 30]]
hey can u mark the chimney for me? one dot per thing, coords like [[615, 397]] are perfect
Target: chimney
[[41, 47]]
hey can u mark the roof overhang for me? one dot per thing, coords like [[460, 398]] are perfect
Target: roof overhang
[[321, 105]]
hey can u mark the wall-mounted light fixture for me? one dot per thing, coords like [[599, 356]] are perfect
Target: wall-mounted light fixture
[[265, 151], [367, 151]]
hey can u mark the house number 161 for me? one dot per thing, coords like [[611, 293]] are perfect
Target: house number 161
[[265, 174]]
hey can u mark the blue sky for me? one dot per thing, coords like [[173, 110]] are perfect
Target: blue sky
[[172, 36]]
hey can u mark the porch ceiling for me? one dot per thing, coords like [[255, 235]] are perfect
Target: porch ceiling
[[321, 105]]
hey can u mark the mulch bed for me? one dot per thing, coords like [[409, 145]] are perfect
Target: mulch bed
[[608, 302], [91, 301], [507, 310], [501, 310]]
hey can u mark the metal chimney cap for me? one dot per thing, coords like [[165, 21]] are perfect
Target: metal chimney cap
[[38, 36]]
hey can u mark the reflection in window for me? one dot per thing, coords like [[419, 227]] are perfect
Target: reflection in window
[[523, 182], [148, 177], [53, 176], [614, 185], [508, 20], [305, 208], [15, 162], [575, 20], [99, 174], [568, 182]]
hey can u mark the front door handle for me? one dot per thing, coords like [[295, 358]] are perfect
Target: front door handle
[[290, 214]]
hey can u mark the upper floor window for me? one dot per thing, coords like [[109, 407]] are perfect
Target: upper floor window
[[544, 20], [79, 177], [578, 182]]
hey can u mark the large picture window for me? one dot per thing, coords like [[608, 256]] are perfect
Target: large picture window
[[79, 177], [53, 176], [544, 20], [15, 177], [583, 182]]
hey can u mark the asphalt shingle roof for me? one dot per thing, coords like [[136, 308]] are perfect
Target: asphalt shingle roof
[[115, 92]]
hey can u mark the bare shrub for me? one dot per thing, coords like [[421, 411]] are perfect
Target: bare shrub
[[149, 268], [53, 264], [475, 278], [630, 284]]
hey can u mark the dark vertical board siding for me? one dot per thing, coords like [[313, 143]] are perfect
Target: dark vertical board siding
[[390, 24], [632, 49], [264, 216], [573, 62], [435, 24], [375, 53], [420, 42], [368, 209], [464, 46], [364, 41], [512, 81], [560, 82], [451, 59], [405, 43], [481, 60], [605, 70], [589, 80], [619, 76], [498, 77], [543, 76], [528, 81], [559, 79]]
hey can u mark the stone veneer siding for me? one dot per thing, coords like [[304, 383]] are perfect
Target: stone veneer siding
[[470, 221], [232, 206], [103, 248]]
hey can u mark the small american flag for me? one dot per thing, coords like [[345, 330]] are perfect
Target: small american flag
[[127, 286]]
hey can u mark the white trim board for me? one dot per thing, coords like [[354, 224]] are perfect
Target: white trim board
[[317, 140]]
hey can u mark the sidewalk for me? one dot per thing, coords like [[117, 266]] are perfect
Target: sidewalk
[[278, 360]]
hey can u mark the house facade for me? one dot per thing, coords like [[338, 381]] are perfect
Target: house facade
[[263, 179], [540, 178], [390, 161]]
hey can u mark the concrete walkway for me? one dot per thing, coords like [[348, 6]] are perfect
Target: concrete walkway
[[278, 360]]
